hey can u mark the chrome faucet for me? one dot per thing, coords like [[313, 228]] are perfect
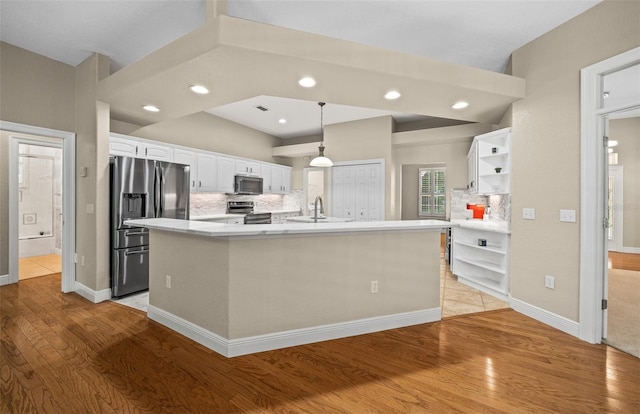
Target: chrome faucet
[[315, 208]]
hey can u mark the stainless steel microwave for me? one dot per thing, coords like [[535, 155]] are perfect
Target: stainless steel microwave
[[247, 185]]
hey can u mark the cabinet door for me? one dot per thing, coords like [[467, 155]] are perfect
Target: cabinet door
[[375, 192], [155, 152], [286, 180], [207, 172], [265, 173], [226, 172], [247, 167], [187, 157], [123, 146], [472, 169], [337, 192], [276, 179]]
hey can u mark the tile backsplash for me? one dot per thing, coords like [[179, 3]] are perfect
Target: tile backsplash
[[500, 204], [216, 203]]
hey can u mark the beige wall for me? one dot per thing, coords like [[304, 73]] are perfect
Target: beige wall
[[453, 156], [34, 90], [546, 150], [285, 286], [205, 131], [627, 133], [363, 140], [92, 152]]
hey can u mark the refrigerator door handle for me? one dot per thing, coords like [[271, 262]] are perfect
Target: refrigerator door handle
[[156, 191], [161, 195]]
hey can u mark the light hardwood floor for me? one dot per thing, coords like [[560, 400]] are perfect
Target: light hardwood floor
[[37, 266], [62, 354]]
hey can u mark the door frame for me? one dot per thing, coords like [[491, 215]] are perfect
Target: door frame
[[42, 136], [617, 172], [593, 172]]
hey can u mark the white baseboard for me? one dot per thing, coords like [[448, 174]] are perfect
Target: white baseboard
[[633, 250], [4, 280], [546, 317], [267, 342], [90, 294]]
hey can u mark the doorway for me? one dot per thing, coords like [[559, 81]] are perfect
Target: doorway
[[622, 279], [14, 135], [39, 210], [597, 105]]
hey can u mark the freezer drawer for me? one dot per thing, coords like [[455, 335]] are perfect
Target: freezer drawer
[[131, 237], [130, 270]]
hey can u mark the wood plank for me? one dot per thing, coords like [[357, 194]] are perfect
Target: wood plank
[[61, 353]]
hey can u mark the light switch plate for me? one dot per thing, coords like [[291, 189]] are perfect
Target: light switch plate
[[529, 213], [568, 216]]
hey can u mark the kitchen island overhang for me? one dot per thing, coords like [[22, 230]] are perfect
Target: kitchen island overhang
[[246, 289]]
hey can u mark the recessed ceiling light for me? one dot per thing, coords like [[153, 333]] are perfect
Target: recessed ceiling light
[[199, 89], [391, 95], [612, 143], [460, 105], [151, 108], [307, 82], [282, 121]]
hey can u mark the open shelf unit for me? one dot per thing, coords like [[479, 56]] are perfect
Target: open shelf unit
[[491, 163], [482, 267]]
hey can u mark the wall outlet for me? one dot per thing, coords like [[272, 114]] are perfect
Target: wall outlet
[[89, 208], [549, 282], [82, 260], [529, 213], [374, 286], [168, 281]]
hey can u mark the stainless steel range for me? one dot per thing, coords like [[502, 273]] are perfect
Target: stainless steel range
[[246, 207]]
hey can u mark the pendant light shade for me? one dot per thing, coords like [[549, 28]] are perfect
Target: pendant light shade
[[321, 160]]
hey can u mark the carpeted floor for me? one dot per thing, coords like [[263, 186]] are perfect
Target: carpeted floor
[[623, 331]]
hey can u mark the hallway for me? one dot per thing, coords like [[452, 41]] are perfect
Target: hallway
[[36, 266]]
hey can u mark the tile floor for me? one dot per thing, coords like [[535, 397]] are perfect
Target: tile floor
[[36, 266]]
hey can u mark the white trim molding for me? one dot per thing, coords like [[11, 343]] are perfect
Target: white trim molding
[[4, 280], [42, 136], [592, 193], [546, 317], [95, 296], [249, 345], [632, 250]]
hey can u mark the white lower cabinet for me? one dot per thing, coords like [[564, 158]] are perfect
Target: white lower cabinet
[[281, 218], [481, 260]]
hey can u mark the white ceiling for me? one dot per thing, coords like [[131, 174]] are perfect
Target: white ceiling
[[475, 33]]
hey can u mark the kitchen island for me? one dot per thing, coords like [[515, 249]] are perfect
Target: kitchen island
[[246, 289]]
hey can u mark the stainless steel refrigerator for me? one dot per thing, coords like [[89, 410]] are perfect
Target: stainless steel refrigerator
[[141, 189]]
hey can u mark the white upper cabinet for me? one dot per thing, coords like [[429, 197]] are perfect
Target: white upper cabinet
[[490, 163], [265, 173], [182, 156], [127, 146], [226, 172], [210, 172], [207, 172], [247, 167]]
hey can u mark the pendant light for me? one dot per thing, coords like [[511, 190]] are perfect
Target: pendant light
[[321, 160]]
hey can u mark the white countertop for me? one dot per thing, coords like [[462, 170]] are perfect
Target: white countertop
[[487, 225], [322, 219], [216, 216], [283, 211], [227, 230]]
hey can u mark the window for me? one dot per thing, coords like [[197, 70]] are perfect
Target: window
[[431, 195]]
